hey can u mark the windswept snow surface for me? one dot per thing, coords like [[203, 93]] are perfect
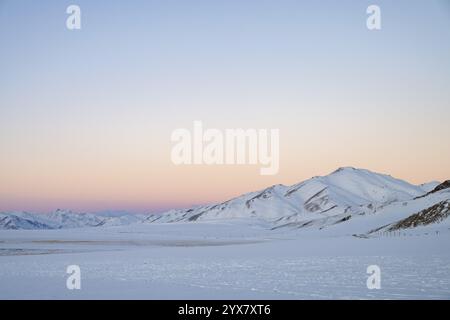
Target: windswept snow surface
[[235, 259]]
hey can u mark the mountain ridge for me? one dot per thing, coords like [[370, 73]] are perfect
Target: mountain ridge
[[343, 188], [344, 195]]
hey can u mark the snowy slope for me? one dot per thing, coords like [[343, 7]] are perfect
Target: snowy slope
[[347, 190], [427, 187], [378, 222]]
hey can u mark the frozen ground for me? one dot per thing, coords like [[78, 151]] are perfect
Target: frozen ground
[[220, 260]]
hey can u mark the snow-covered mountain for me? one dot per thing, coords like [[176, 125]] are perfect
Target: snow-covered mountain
[[321, 202], [348, 200], [23, 220], [345, 190], [65, 219]]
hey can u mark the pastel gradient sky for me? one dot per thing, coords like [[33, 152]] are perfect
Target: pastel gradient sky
[[86, 116]]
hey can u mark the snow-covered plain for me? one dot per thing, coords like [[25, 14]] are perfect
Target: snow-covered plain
[[233, 259]]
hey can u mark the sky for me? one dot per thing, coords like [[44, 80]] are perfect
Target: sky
[[86, 115]]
